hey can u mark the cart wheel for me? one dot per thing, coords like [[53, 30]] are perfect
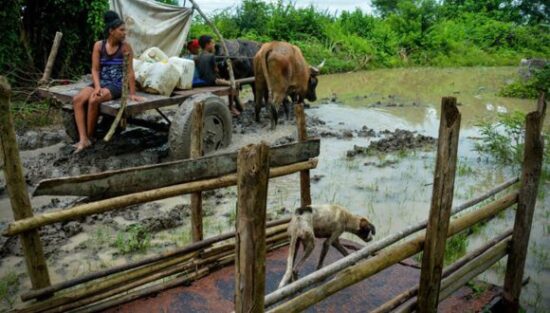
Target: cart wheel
[[217, 127], [69, 124]]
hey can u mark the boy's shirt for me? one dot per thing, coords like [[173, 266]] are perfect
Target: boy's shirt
[[206, 67]]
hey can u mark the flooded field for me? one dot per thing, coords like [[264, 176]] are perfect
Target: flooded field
[[355, 109]]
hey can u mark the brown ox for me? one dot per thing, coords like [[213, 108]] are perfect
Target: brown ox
[[281, 70]]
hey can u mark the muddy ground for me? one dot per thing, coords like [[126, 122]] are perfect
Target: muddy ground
[[47, 153]]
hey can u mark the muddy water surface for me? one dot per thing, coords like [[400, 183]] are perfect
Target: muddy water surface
[[392, 189]]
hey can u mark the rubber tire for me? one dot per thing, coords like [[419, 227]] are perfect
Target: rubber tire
[[69, 124], [217, 118]]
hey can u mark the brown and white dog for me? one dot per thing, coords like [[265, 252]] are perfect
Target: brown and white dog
[[321, 221]]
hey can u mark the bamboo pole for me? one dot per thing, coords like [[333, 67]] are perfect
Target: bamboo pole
[[196, 152], [123, 100], [464, 274], [273, 227], [51, 59], [37, 268], [253, 177], [106, 288], [530, 176], [388, 257], [365, 252], [274, 244], [440, 212], [305, 186], [222, 42], [101, 206], [413, 291]]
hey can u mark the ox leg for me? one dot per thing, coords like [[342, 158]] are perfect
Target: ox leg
[[286, 108], [274, 116], [259, 97]]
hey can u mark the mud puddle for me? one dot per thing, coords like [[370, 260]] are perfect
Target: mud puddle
[[374, 114]]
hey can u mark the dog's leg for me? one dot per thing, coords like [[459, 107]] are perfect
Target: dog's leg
[[327, 245], [336, 244], [292, 251], [309, 244]]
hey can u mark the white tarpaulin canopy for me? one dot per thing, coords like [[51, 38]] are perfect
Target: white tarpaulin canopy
[[154, 24]]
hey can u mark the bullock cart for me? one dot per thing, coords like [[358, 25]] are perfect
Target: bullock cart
[[217, 128]]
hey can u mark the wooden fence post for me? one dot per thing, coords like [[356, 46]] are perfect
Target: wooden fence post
[[440, 211], [17, 188], [305, 187], [196, 152], [530, 176], [253, 175]]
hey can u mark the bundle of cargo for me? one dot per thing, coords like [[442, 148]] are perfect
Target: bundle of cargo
[[159, 74]]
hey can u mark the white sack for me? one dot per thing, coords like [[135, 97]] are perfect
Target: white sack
[[161, 78], [153, 55], [186, 69], [154, 24]]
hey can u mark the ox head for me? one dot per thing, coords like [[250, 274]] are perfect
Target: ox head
[[314, 71]]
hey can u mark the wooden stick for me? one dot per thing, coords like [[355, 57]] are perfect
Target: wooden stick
[[222, 42], [123, 100], [305, 186], [83, 210], [273, 227], [253, 177], [440, 212], [389, 257], [37, 268], [51, 59], [530, 176], [413, 291], [365, 252], [196, 152]]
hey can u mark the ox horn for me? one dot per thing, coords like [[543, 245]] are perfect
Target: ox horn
[[317, 69], [320, 66]]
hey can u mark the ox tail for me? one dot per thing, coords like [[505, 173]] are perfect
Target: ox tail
[[267, 78]]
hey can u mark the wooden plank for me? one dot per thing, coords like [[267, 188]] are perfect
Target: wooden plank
[[37, 268], [440, 212], [65, 94], [196, 152], [253, 177], [119, 202], [305, 185], [530, 177], [135, 179]]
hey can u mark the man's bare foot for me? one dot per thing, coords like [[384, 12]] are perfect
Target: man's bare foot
[[81, 145]]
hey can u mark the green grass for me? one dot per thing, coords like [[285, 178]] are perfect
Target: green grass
[[9, 286], [134, 239], [27, 115]]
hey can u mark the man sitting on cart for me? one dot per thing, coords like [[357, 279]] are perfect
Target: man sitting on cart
[[107, 67]]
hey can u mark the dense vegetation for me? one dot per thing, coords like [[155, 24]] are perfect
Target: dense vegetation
[[399, 33]]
